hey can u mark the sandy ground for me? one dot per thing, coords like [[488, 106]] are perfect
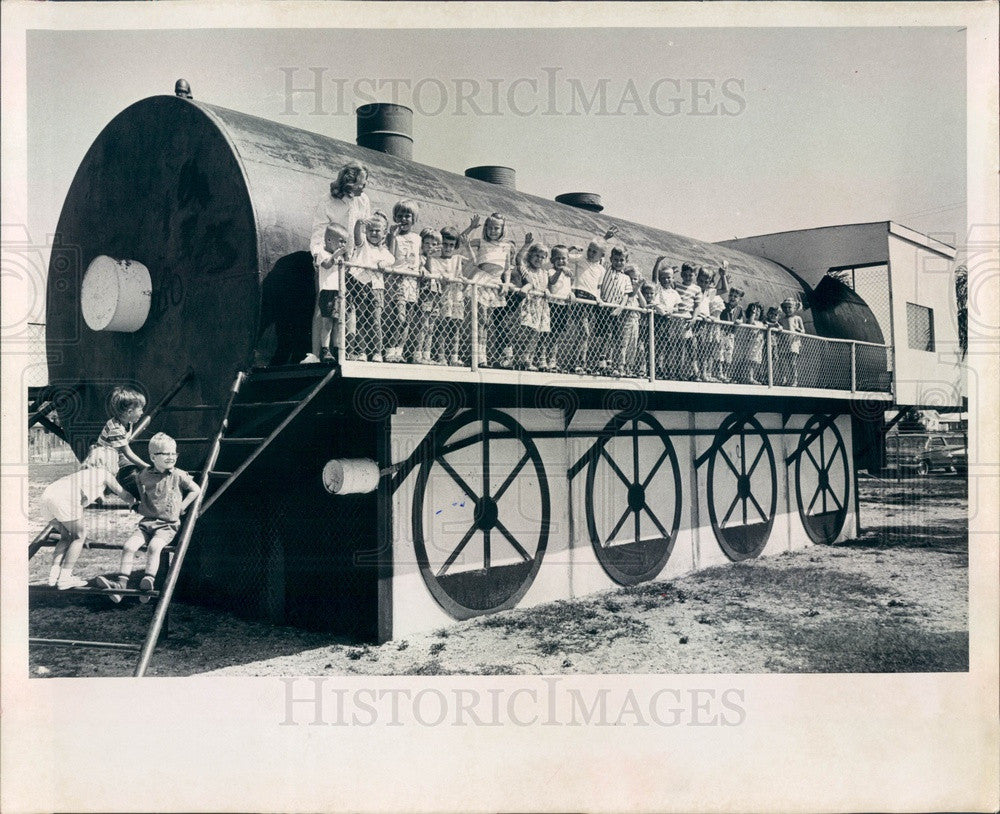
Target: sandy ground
[[894, 600]]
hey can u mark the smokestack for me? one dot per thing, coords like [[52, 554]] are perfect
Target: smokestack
[[590, 201], [492, 174], [386, 127]]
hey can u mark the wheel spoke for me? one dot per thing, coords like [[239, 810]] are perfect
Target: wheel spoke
[[729, 513], [511, 476], [813, 501], [833, 456], [458, 550], [638, 530], [743, 453], [763, 515], [457, 478], [656, 521], [635, 450], [486, 455], [744, 511], [614, 466], [756, 460], [835, 499], [822, 457], [728, 460], [486, 550], [618, 526], [656, 466], [819, 467], [510, 539]]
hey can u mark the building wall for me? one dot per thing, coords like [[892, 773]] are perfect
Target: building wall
[[925, 278]]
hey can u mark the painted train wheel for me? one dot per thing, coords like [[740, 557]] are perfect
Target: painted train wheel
[[822, 481], [742, 487], [633, 498], [481, 514]]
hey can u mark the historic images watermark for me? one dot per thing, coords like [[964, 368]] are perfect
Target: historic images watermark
[[324, 701], [315, 91]]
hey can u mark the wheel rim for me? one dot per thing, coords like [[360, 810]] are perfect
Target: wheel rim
[[636, 557], [822, 482], [472, 552], [743, 525]]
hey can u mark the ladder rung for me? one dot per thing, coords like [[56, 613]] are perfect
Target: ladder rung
[[241, 440], [192, 440], [83, 643], [215, 474], [256, 404], [190, 408], [316, 371], [51, 589]]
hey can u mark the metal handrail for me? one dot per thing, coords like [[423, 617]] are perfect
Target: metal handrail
[[185, 537], [163, 402]]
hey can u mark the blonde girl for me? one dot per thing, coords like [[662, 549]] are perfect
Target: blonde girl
[[63, 502], [493, 261]]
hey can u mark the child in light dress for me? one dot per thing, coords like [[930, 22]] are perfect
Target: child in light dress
[[401, 291], [430, 295], [534, 307], [790, 344], [454, 256], [493, 259], [668, 329], [559, 350], [63, 502], [753, 371]]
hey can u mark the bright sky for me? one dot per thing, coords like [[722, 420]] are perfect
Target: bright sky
[[710, 133]]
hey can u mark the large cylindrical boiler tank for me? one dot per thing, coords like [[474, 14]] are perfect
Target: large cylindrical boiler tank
[[214, 203]]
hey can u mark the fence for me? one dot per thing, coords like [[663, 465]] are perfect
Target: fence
[[397, 316]]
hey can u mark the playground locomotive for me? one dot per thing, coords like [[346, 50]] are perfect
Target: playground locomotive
[[380, 498]]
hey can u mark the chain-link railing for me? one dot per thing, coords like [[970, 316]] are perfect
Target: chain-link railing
[[391, 316]]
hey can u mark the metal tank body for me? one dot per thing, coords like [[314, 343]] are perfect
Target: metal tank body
[[213, 201]]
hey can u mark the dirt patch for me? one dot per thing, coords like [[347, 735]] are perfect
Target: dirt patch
[[893, 600]]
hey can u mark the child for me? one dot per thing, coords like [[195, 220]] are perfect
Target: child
[[493, 263], [791, 345], [754, 373], [690, 297], [668, 331], [556, 349], [165, 493], [707, 313], [615, 288], [404, 244], [328, 269], [429, 297], [63, 502], [773, 324], [454, 294], [642, 358], [366, 290], [733, 314], [628, 322], [126, 405], [586, 293], [534, 308]]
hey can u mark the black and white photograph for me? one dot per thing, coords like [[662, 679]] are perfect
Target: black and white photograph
[[500, 382]]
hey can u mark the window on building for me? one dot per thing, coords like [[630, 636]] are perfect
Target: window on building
[[920, 327]]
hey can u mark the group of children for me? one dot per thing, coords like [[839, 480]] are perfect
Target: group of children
[[159, 492], [407, 298]]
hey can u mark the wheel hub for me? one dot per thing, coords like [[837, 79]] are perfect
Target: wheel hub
[[486, 513], [636, 496], [743, 486]]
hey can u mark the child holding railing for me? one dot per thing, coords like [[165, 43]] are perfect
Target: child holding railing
[[453, 311], [754, 372], [404, 244], [534, 308], [558, 350], [791, 345], [493, 261], [433, 270], [366, 291]]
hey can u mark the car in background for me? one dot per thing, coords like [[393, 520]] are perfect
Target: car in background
[[920, 453]]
